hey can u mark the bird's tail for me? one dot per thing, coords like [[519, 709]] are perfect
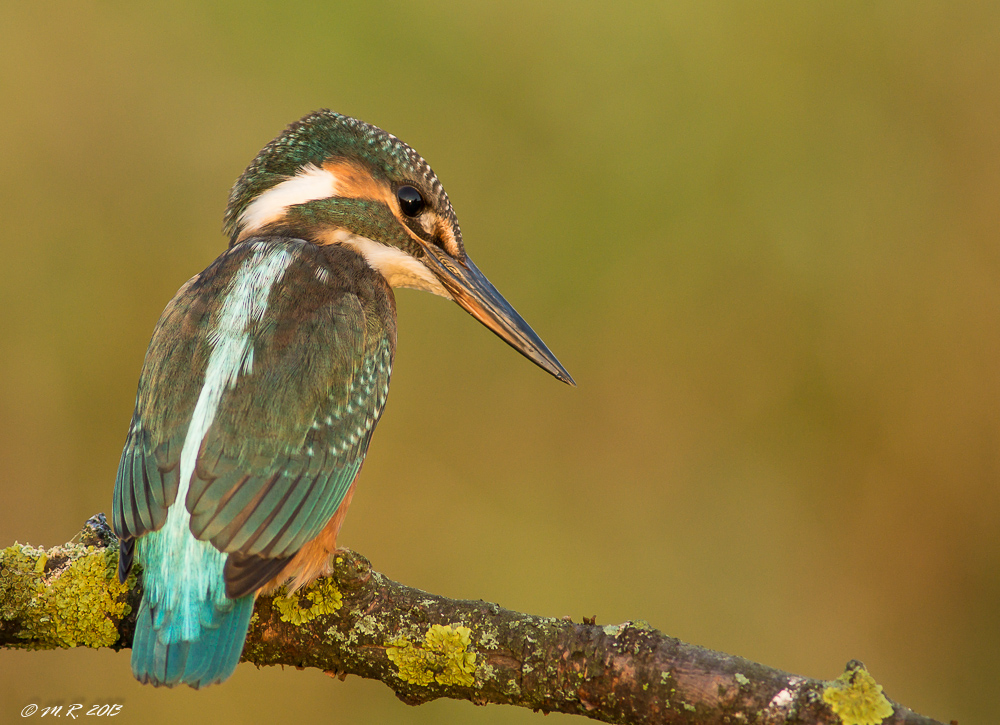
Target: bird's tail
[[206, 660]]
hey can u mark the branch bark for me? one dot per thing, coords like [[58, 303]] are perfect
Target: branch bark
[[425, 646]]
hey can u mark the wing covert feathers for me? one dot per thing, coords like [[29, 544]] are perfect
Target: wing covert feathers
[[291, 430]]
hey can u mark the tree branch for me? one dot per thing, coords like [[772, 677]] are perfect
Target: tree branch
[[424, 646]]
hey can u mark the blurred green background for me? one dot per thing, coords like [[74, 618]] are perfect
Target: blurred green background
[[762, 237]]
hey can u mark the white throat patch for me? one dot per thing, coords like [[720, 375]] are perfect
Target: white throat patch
[[309, 184], [398, 267]]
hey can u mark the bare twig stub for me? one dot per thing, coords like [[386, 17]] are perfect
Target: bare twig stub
[[425, 646]]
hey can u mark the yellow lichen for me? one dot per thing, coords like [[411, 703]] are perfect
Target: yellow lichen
[[443, 657], [321, 597], [78, 603], [856, 698]]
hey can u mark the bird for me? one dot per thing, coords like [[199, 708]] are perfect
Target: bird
[[265, 378]]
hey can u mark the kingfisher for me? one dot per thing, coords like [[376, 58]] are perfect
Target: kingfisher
[[264, 380]]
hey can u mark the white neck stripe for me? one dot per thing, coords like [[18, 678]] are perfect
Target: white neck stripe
[[309, 184]]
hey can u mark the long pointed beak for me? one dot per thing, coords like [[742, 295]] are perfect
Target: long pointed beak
[[479, 298]]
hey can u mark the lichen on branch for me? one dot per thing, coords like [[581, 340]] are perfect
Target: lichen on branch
[[66, 596], [425, 646], [443, 657]]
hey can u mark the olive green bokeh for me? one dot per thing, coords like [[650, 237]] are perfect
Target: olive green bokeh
[[762, 238]]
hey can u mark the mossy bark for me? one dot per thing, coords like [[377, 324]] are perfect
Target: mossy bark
[[425, 646]]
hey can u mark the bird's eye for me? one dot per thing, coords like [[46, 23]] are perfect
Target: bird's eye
[[410, 200]]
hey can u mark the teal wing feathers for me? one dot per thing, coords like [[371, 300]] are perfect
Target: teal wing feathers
[[148, 472], [290, 431], [263, 509], [146, 485]]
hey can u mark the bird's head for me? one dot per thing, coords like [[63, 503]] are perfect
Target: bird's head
[[331, 179]]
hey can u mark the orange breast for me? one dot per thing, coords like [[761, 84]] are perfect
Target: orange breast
[[313, 560]]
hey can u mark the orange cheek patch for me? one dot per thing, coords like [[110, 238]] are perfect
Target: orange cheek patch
[[353, 182]]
